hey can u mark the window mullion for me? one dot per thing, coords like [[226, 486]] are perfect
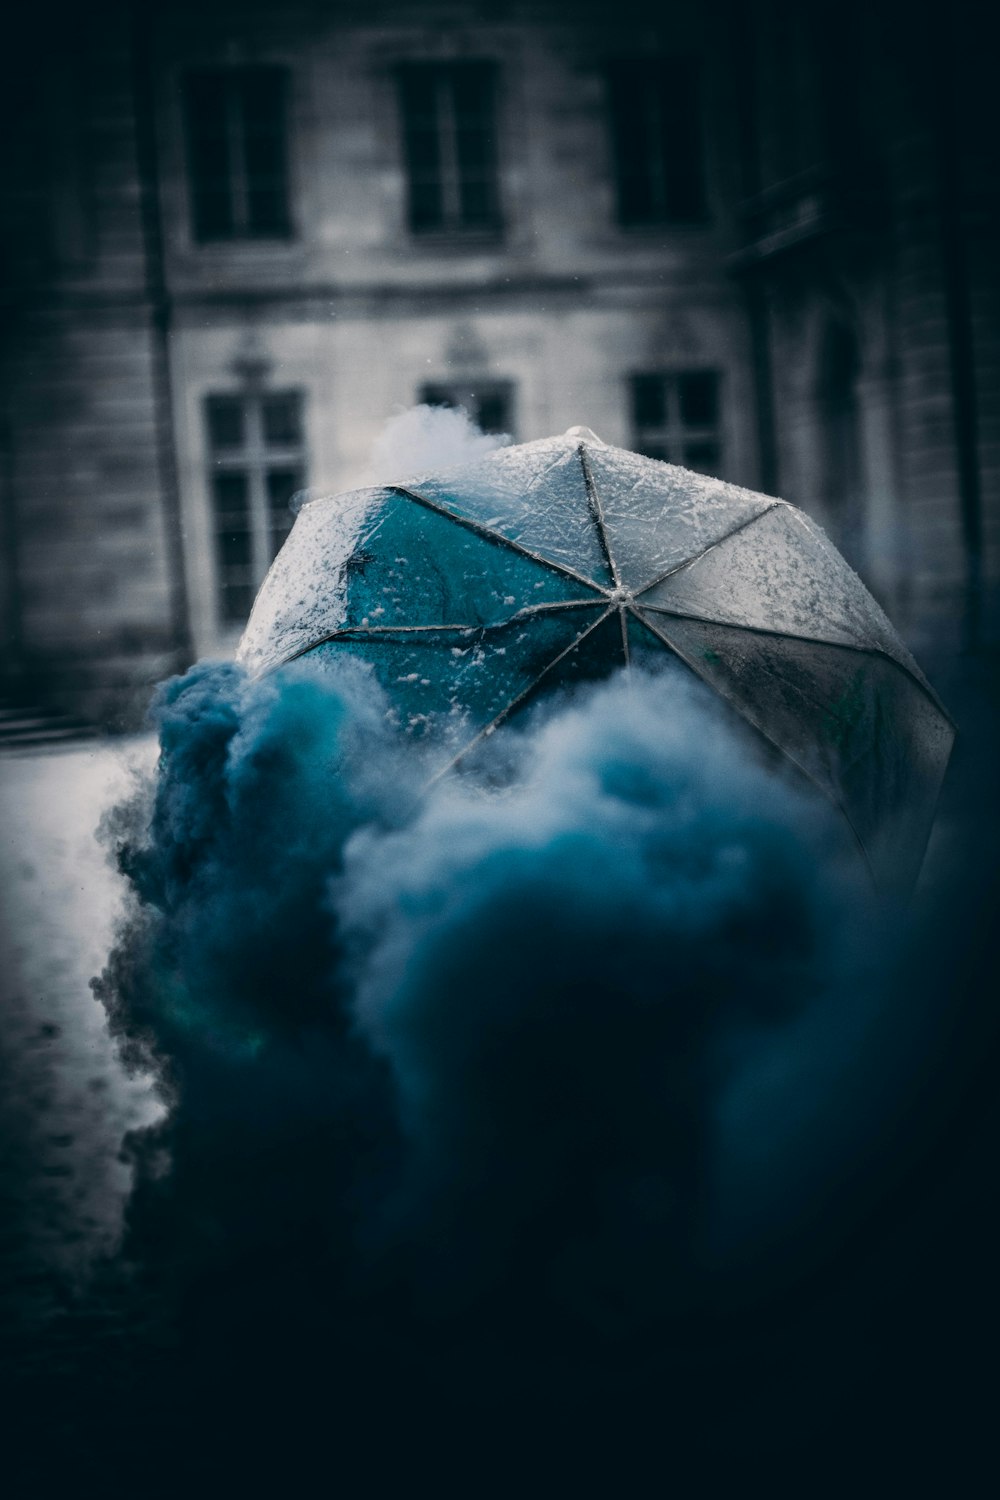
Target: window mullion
[[257, 468], [673, 434], [657, 156], [236, 127], [673, 405], [451, 195]]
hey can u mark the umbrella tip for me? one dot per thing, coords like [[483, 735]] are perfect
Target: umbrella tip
[[583, 435]]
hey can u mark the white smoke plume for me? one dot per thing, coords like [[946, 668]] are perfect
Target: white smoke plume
[[425, 440]]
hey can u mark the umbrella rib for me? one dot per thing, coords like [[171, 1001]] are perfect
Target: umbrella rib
[[364, 631], [752, 719], [678, 567], [541, 609], [809, 640], [516, 702], [597, 512], [816, 536], [488, 533]]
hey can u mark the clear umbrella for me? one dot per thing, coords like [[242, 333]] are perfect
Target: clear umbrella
[[555, 561]]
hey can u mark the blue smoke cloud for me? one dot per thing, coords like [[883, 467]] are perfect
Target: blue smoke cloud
[[475, 1041], [552, 975], [534, 1082]]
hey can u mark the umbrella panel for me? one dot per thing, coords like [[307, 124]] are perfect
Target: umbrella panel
[[780, 574], [302, 598], [858, 725], [423, 568], [610, 516], [537, 496], [454, 684], [389, 561], [600, 651], [655, 516]]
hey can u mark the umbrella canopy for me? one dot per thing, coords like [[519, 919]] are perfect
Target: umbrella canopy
[[555, 561]]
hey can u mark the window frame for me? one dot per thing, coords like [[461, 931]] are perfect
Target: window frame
[[676, 434], [431, 391], [454, 180], [257, 459], [648, 79], [238, 179]]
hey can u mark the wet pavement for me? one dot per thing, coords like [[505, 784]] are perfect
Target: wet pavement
[[67, 1102]]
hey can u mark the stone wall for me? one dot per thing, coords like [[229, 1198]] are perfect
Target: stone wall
[[93, 615]]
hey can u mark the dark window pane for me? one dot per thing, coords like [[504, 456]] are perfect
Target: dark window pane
[[425, 155], [699, 399], [234, 552], [210, 164], [213, 212], [418, 96], [489, 405], [267, 212], [472, 88], [448, 116], [478, 209], [655, 110], [493, 412], [632, 143], [635, 198], [262, 99], [230, 495], [475, 153], [702, 456], [472, 93], [649, 401], [233, 546], [682, 152], [437, 395], [282, 420], [675, 418], [282, 484], [226, 425], [235, 600], [426, 206], [236, 131]]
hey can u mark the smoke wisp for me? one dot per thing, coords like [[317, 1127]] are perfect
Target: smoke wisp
[[427, 440]]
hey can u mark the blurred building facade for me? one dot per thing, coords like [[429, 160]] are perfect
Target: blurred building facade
[[758, 239]]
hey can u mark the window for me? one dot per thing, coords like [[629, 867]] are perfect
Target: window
[[488, 402], [237, 149], [257, 459], [676, 418], [449, 137], [657, 141]]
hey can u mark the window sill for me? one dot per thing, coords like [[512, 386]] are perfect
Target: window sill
[[268, 242], [456, 239], [664, 226]]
